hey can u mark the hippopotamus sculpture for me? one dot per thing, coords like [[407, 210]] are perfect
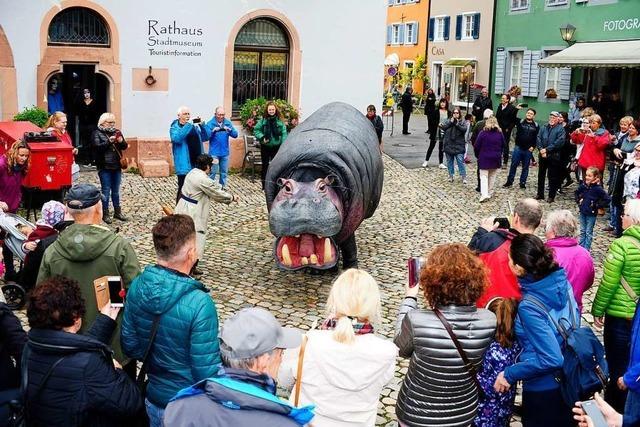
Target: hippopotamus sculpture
[[324, 181]]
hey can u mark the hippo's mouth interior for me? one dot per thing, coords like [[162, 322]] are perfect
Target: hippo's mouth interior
[[306, 250]]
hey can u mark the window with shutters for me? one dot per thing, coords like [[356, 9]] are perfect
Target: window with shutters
[[467, 26], [519, 4], [396, 34], [260, 62], [552, 77], [439, 29], [409, 33], [515, 74]]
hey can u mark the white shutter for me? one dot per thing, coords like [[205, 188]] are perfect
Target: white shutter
[[526, 73], [501, 62], [415, 32], [564, 84], [534, 80]]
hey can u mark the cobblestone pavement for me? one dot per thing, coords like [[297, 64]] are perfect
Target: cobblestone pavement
[[419, 209]]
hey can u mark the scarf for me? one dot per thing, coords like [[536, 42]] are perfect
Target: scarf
[[105, 129], [358, 327], [271, 129]]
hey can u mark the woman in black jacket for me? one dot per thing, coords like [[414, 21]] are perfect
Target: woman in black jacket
[[12, 340], [71, 378], [109, 145]]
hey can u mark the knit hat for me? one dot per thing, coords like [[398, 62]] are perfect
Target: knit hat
[[52, 213]]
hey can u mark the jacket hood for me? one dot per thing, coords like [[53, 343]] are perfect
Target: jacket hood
[[345, 368], [562, 242], [157, 288], [82, 242], [550, 290], [633, 231], [50, 341]]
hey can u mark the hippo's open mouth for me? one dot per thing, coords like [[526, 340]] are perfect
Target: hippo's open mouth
[[306, 251]]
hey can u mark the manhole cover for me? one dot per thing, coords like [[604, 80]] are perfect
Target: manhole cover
[[403, 144]]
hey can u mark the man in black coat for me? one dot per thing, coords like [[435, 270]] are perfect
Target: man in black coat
[[482, 102], [406, 103], [507, 116]]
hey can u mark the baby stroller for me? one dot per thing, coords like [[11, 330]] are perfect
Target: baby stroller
[[13, 238]]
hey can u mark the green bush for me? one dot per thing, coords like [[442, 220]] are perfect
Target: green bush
[[252, 110], [33, 114]]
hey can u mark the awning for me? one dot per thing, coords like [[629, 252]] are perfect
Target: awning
[[615, 54], [459, 62]]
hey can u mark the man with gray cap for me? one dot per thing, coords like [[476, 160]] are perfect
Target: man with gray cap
[[243, 392], [551, 139], [85, 251]]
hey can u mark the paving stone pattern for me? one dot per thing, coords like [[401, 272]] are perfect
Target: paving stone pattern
[[419, 209]]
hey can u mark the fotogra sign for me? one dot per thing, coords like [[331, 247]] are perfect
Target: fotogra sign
[[172, 39]]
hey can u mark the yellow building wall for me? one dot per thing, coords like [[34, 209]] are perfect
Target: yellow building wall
[[402, 13]]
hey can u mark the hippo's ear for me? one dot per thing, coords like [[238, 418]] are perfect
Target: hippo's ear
[[330, 179]]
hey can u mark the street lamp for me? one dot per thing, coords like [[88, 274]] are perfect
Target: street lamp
[[567, 32]]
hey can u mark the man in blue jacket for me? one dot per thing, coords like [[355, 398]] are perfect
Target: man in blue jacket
[[186, 144], [185, 349], [219, 130], [243, 392], [551, 139]]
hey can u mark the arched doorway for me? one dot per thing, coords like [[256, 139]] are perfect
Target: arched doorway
[[79, 44], [260, 62]]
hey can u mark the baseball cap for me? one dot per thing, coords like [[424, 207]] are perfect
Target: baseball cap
[[555, 114], [82, 196], [254, 331]]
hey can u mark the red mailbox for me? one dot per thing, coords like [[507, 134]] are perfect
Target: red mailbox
[[49, 166], [10, 132]]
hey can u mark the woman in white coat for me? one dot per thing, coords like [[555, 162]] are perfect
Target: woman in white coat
[[344, 364], [197, 191]]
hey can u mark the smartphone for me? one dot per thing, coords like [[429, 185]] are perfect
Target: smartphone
[[591, 409], [115, 286], [414, 265], [503, 222], [525, 105], [197, 120], [585, 124]]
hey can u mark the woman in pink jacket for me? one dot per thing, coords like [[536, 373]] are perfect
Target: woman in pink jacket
[[561, 232]]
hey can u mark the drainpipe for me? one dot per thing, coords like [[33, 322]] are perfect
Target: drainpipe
[[426, 49], [493, 48]]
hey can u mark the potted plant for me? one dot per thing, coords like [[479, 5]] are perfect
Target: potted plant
[[253, 109], [32, 114]]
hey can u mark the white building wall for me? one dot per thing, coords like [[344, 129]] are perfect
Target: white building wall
[[342, 45]]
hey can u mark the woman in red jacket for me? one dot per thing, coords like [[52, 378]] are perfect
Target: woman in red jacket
[[596, 141], [57, 124]]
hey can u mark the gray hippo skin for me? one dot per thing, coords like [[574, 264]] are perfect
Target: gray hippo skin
[[324, 181]]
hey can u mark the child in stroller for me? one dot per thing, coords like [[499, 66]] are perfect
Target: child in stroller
[[28, 244]]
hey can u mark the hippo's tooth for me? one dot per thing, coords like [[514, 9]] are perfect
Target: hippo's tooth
[[313, 259], [297, 236], [304, 260], [286, 256], [327, 251], [318, 236]]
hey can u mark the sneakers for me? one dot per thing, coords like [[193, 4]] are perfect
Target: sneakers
[[425, 164], [464, 180], [507, 185], [484, 198], [450, 178], [442, 166]]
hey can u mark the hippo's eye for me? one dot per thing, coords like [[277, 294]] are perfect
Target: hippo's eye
[[288, 188], [322, 187]]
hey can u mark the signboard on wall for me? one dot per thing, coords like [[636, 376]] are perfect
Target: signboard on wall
[[169, 38]]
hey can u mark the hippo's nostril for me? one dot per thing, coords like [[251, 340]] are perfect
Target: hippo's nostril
[[316, 200], [293, 202]]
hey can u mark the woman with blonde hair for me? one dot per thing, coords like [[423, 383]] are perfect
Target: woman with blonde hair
[[344, 364], [57, 125], [488, 148], [109, 146]]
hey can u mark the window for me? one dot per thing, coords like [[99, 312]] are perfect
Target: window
[[408, 64], [552, 75], [467, 26], [260, 62], [465, 77], [395, 34], [78, 26], [519, 4], [409, 32], [515, 77], [439, 29], [556, 2]]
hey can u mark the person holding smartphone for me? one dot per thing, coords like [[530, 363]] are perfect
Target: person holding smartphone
[[595, 141]]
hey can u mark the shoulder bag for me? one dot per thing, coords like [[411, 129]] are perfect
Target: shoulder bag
[[124, 163], [141, 380], [470, 367], [625, 285]]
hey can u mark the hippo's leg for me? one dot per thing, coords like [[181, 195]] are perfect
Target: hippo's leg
[[349, 253]]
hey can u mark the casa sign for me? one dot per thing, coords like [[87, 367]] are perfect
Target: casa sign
[[437, 50]]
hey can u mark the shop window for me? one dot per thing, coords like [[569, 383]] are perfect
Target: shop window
[[78, 26], [465, 77], [519, 5], [260, 62], [515, 75]]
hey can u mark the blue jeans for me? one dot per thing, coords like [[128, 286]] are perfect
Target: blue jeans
[[110, 186], [632, 409], [519, 156], [587, 222], [459, 158], [220, 167], [155, 414], [617, 339]]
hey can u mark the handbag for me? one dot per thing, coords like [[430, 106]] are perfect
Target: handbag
[[124, 162], [469, 367], [625, 285]]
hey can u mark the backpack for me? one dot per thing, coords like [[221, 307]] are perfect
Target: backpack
[[584, 370]]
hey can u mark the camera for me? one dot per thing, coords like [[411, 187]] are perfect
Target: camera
[[197, 120]]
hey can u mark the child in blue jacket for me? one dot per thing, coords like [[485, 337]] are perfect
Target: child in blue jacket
[[591, 198]]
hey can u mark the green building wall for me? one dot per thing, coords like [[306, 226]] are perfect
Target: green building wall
[[538, 29]]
